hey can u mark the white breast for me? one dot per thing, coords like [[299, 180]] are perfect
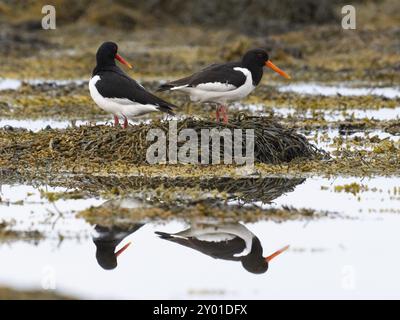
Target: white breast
[[118, 106], [100, 100]]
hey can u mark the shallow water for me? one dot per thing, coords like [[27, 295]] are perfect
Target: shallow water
[[15, 84], [325, 90], [348, 252], [382, 114], [41, 124], [38, 124], [10, 84], [337, 256]]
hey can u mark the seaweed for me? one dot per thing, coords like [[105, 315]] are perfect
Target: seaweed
[[273, 143]]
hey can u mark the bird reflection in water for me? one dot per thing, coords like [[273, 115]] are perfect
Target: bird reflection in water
[[107, 238], [227, 241]]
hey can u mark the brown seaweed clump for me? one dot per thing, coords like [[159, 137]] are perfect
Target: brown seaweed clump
[[119, 216], [155, 189], [246, 190], [273, 143]]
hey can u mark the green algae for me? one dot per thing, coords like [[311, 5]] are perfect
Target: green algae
[[353, 188], [9, 234], [55, 196]]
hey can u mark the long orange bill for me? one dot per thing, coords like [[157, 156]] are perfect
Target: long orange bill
[[122, 249], [123, 61], [276, 253], [269, 64]]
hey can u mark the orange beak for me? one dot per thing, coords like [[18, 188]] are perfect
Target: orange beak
[[122, 249], [269, 64], [276, 253], [123, 61]]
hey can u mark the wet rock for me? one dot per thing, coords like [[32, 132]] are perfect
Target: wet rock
[[16, 42], [8, 128]]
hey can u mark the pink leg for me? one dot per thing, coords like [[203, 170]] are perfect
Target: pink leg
[[125, 123], [116, 121], [225, 114], [217, 114]]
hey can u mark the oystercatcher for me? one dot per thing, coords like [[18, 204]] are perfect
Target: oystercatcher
[[223, 83], [228, 241], [115, 92], [107, 239]]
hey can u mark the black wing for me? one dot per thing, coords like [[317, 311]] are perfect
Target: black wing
[[118, 85], [223, 73], [218, 250]]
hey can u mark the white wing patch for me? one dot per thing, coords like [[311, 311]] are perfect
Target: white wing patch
[[180, 87], [216, 86]]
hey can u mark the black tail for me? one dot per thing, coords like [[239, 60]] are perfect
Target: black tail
[[163, 235], [165, 87], [176, 83], [167, 108]]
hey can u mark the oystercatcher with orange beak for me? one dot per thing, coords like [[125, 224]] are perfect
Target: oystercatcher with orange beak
[[115, 92], [227, 82], [107, 239], [227, 241]]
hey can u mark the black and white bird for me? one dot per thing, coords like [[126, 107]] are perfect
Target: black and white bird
[[227, 82], [115, 92], [228, 241], [107, 239]]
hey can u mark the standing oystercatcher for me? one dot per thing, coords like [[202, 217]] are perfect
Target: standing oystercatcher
[[223, 83], [228, 241], [117, 93]]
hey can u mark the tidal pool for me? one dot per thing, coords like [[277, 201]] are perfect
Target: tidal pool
[[347, 250], [342, 90], [350, 253]]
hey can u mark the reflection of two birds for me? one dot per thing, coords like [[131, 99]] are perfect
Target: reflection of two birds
[[221, 240]]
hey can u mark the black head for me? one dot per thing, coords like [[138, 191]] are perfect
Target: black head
[[255, 262], [257, 58], [255, 265], [106, 255], [107, 53]]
